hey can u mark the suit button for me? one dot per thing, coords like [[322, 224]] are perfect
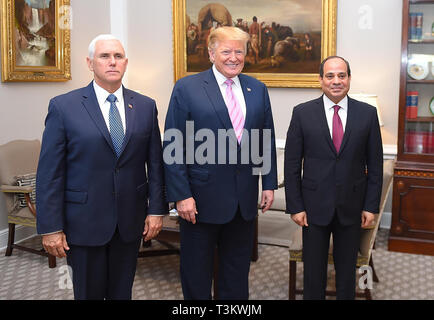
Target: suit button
[[117, 170]]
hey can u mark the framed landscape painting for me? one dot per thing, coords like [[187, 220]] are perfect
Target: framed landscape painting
[[288, 38], [35, 40]]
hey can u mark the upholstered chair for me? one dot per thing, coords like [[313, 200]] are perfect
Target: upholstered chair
[[18, 163]]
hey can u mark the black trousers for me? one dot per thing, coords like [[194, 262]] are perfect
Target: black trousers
[[104, 272], [346, 242], [234, 242]]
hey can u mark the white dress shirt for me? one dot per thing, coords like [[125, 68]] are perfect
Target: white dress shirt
[[236, 89], [101, 96], [329, 111]]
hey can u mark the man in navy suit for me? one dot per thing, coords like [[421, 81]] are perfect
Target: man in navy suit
[[100, 177], [220, 115], [333, 178]]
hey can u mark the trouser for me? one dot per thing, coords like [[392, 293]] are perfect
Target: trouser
[[104, 272], [234, 242], [346, 242]]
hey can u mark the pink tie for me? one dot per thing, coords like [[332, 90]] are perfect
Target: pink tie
[[338, 131], [234, 110]]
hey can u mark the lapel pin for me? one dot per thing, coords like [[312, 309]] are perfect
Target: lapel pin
[[130, 106], [248, 89]]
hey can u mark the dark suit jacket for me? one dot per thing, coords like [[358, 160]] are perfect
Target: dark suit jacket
[[333, 181], [82, 188], [218, 188]]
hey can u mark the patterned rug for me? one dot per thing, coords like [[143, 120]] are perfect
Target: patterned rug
[[402, 276]]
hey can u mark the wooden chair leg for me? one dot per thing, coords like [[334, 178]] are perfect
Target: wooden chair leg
[[374, 274], [292, 279], [51, 261], [368, 295], [11, 239]]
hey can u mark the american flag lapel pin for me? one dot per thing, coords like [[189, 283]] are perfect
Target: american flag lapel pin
[[248, 89], [130, 106]]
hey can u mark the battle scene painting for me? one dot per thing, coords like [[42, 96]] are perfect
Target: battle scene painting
[[285, 35]]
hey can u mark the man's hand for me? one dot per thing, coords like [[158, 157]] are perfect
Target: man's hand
[[300, 218], [153, 225], [55, 244], [367, 219], [267, 200], [187, 209]]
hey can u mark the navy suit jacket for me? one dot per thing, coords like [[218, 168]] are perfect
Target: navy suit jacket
[[349, 181], [82, 188], [218, 186]]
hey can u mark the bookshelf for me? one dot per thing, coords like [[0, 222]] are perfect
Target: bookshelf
[[412, 228]]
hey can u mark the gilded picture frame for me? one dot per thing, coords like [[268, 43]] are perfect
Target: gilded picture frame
[[35, 40], [289, 63]]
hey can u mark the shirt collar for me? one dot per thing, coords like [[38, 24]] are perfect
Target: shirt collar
[[328, 104], [221, 78], [102, 94]]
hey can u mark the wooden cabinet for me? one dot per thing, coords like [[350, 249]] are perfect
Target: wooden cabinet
[[412, 228]]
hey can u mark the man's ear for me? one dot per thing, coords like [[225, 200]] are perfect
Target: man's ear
[[211, 55], [89, 63]]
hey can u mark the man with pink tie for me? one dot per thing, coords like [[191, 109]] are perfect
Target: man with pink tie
[[217, 199]]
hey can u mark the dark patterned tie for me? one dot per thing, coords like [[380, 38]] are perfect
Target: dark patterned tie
[[116, 127], [338, 131]]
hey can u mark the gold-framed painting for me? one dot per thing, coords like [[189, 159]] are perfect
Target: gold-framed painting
[[288, 38], [35, 40]]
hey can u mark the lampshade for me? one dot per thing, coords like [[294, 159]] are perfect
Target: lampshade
[[371, 99]]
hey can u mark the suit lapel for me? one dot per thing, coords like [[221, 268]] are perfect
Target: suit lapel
[[129, 116], [248, 98], [90, 102], [322, 121], [351, 122], [213, 92]]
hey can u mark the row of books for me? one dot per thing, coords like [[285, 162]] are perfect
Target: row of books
[[411, 104], [419, 142], [416, 22]]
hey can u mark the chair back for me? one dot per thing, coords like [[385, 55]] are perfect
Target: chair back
[[17, 157], [367, 237]]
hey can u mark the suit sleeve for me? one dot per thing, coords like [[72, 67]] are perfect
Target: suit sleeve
[[374, 165], [177, 183], [157, 201], [269, 180], [50, 177], [292, 165]]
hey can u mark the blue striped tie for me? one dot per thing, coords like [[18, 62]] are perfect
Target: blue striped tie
[[116, 127]]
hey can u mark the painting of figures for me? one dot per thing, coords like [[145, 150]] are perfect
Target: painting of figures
[[287, 37]]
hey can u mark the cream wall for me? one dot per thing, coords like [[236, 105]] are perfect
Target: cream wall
[[365, 37], [368, 35]]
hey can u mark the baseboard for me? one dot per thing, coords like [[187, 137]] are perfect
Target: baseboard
[[386, 220], [21, 233]]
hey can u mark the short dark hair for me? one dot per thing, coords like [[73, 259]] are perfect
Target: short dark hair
[[321, 66]]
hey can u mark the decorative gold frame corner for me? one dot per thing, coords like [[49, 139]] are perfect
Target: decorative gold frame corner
[[13, 73], [294, 80]]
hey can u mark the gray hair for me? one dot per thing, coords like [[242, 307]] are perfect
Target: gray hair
[[92, 44]]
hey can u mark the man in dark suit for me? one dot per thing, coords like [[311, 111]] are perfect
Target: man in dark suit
[[100, 177], [214, 184], [333, 178]]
